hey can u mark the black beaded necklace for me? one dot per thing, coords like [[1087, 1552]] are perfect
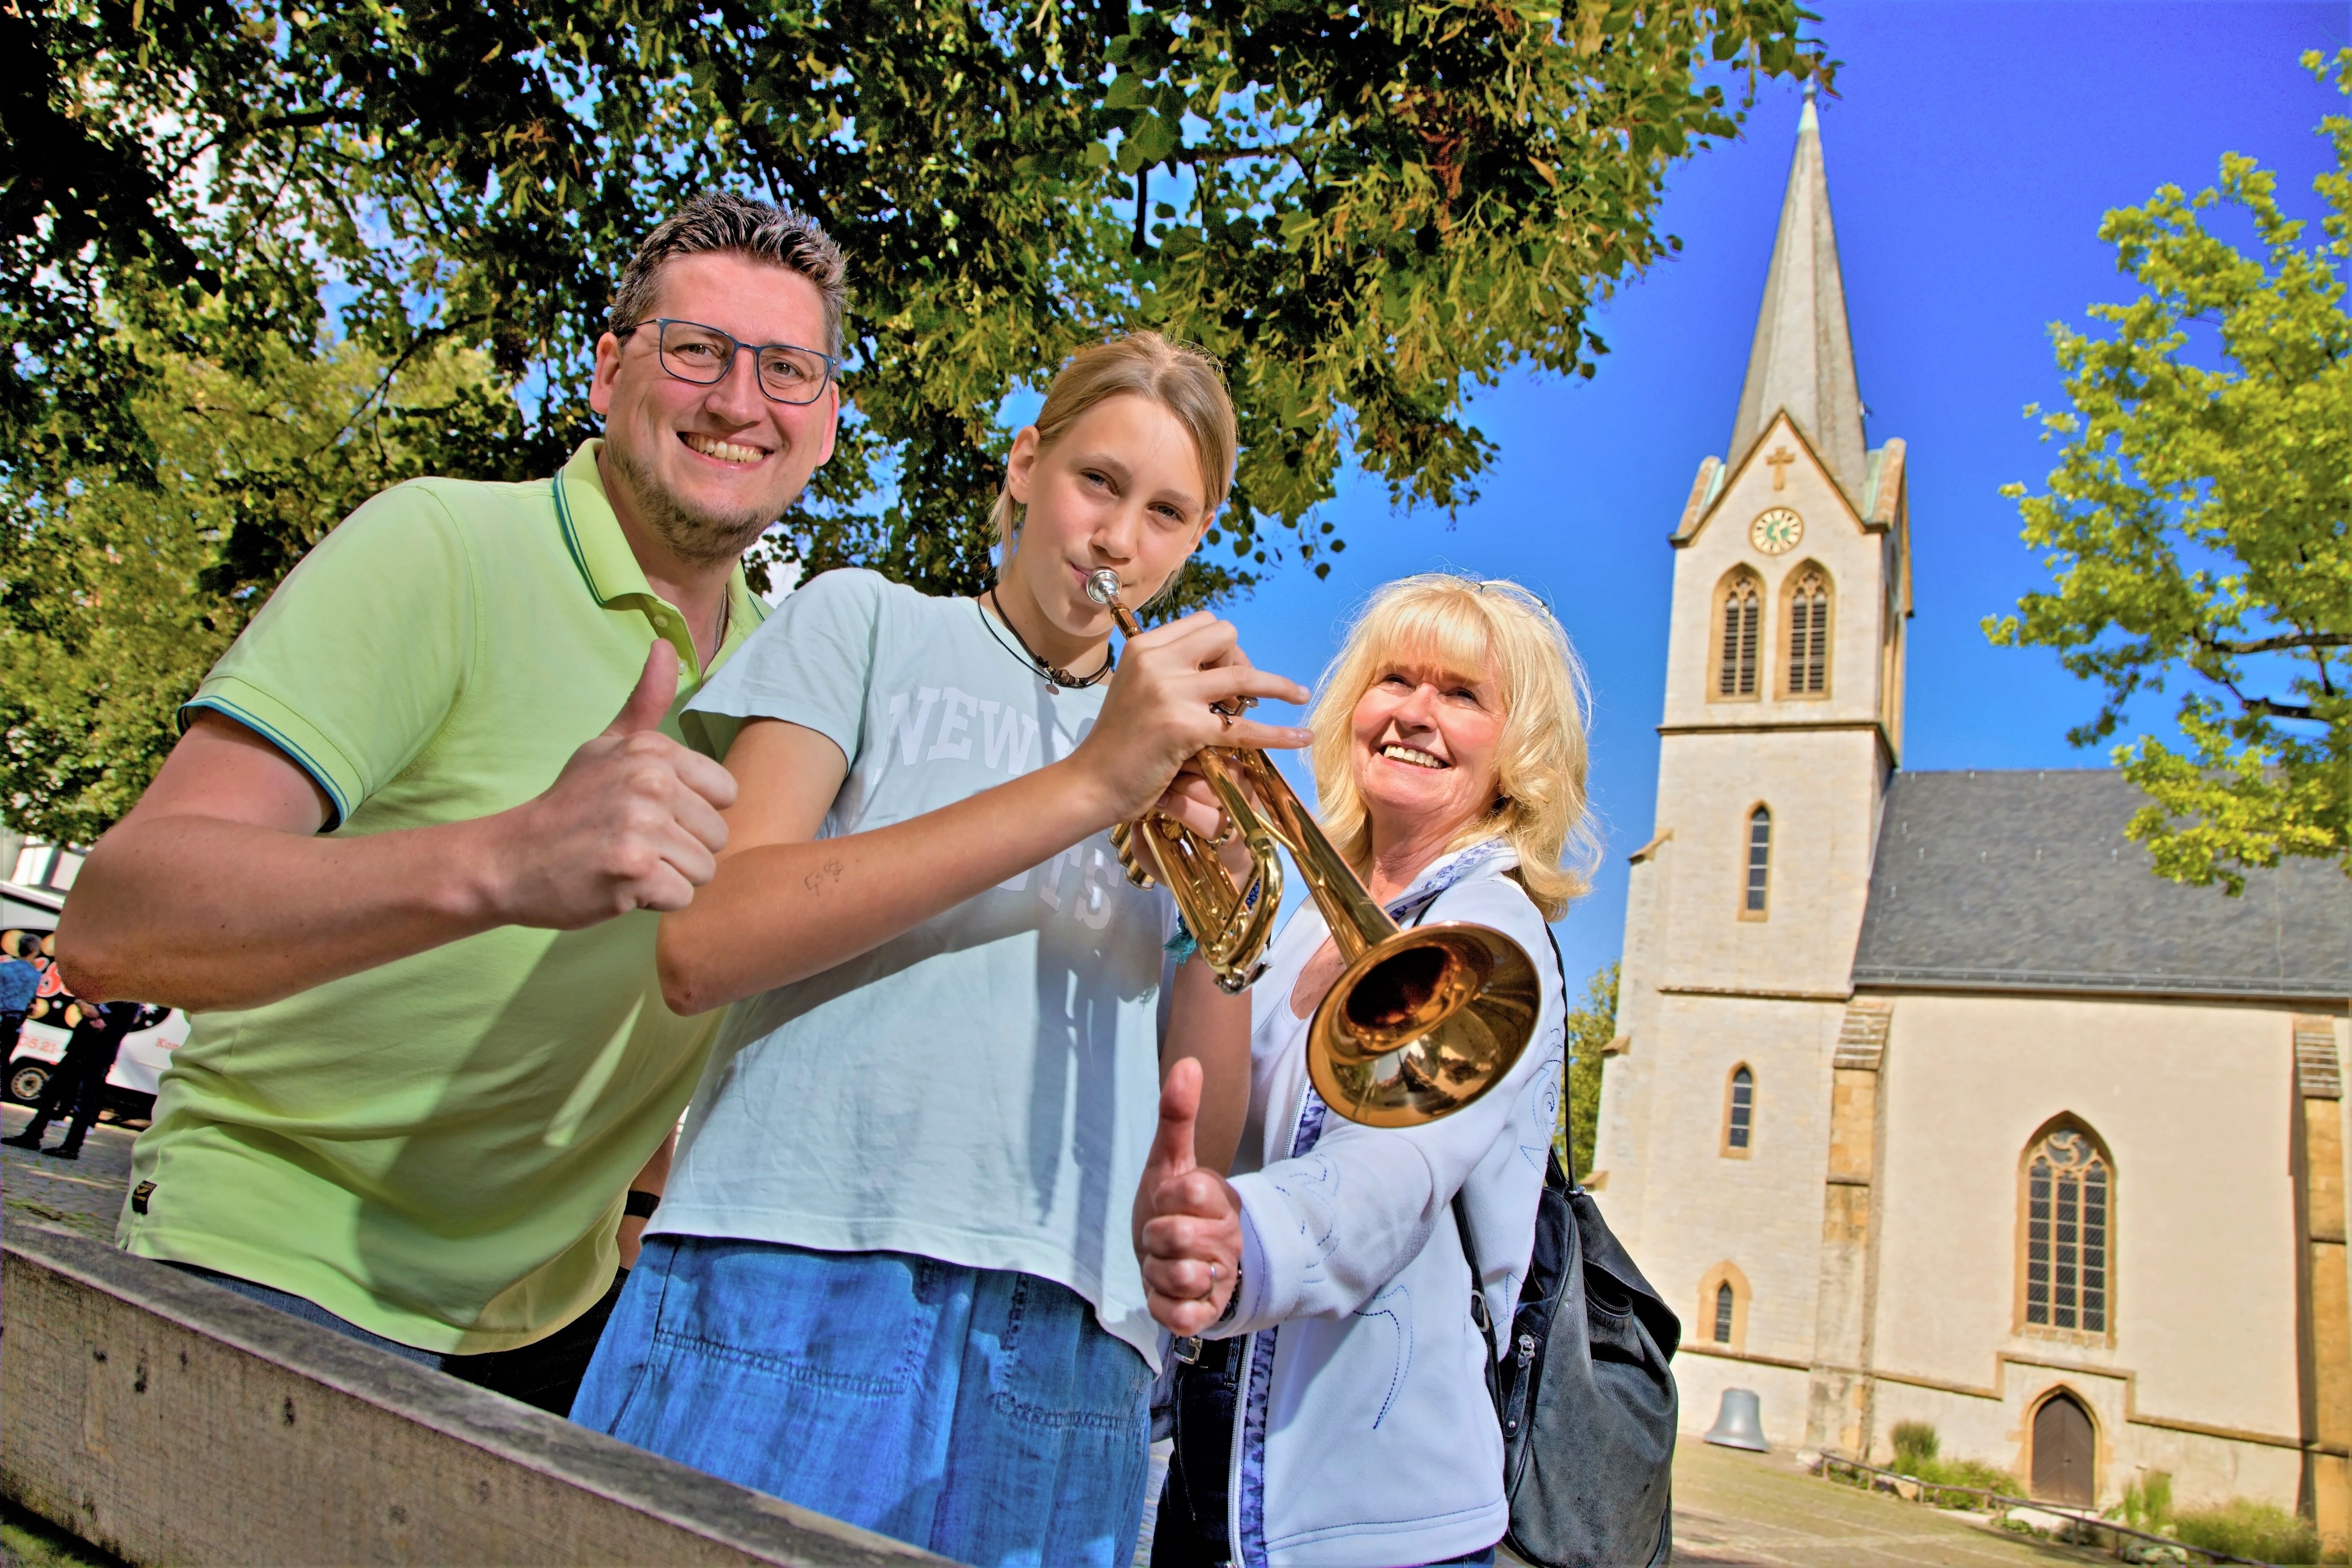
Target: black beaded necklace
[[1055, 673]]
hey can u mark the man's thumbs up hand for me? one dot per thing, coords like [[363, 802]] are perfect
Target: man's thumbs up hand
[[649, 701], [631, 823], [1191, 1242]]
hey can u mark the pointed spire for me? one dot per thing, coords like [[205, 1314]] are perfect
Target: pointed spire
[[1803, 357]]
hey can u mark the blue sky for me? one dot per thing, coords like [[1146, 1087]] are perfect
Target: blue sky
[[1970, 154]]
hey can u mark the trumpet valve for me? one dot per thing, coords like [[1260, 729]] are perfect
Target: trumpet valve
[[1122, 838]]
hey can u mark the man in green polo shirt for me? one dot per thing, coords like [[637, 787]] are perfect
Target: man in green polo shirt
[[404, 866]]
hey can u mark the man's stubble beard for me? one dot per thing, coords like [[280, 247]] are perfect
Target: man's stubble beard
[[698, 538]]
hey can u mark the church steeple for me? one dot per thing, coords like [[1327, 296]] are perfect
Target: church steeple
[[1803, 357]]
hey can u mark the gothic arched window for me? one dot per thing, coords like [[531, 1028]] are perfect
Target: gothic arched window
[[1739, 1112], [1759, 865], [1808, 634], [1740, 617], [1723, 1298], [2069, 1201]]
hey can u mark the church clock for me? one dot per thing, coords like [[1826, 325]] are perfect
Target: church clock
[[1776, 532]]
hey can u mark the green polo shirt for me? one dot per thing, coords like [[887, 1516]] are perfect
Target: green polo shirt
[[436, 1148]]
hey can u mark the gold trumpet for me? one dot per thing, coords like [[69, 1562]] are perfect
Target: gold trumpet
[[1419, 1023]]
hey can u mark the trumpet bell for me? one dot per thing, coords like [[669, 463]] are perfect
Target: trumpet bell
[[1422, 1024]]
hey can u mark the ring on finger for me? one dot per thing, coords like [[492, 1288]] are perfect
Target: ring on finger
[[1210, 1293]]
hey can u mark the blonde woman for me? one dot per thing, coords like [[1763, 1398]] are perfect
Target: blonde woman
[[891, 1277], [1338, 1414]]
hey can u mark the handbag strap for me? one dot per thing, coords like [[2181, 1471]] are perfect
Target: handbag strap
[[1480, 1313], [1567, 1121]]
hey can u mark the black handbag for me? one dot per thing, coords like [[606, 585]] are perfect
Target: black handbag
[[1585, 1395]]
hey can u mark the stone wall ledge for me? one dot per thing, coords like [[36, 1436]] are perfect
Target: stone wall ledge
[[164, 1419]]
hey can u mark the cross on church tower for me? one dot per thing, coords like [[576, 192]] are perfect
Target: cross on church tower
[[1780, 457]]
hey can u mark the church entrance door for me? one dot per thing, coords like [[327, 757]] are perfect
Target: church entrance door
[[2065, 1453]]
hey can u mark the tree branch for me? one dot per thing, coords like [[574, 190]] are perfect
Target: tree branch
[[2277, 644], [2267, 709]]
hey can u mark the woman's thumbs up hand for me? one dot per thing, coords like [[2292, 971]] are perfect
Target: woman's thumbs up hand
[[1190, 1241]]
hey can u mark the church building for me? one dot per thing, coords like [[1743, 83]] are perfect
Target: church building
[[1930, 1100]]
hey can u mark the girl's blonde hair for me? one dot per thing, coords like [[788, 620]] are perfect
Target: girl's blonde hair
[[1472, 627], [1181, 379]]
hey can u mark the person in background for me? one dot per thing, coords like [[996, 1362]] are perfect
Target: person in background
[[76, 1089], [405, 865], [892, 1277], [1338, 1413], [20, 980]]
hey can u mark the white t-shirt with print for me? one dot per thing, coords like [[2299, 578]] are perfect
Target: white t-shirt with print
[[983, 1089]]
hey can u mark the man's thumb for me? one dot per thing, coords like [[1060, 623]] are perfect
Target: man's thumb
[[1180, 1108], [656, 690]]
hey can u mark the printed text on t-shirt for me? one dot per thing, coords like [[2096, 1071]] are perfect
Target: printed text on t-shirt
[[1007, 736]]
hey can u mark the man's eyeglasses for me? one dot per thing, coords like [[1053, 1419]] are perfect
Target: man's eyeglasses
[[703, 356]]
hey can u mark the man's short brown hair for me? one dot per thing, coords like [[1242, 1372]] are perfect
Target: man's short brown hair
[[722, 221]]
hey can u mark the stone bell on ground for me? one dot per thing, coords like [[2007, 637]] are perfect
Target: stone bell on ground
[[1739, 1424]]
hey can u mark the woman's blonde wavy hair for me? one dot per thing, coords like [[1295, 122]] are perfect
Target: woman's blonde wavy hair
[[1471, 627], [1179, 378]]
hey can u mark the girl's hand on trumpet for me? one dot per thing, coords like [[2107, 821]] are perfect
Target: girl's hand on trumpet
[[1192, 801], [1157, 715]]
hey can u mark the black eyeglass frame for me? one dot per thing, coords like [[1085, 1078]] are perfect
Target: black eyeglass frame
[[661, 325]]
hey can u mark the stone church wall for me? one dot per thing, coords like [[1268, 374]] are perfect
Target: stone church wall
[[1823, 790], [2193, 1102], [1759, 1213]]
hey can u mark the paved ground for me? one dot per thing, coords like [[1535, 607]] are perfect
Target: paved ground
[[1732, 1507], [84, 1194], [1758, 1509]]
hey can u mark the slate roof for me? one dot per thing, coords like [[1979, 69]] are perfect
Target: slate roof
[[2024, 881]]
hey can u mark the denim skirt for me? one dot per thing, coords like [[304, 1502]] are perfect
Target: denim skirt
[[981, 1414]]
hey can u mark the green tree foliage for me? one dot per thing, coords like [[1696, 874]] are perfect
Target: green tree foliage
[[1364, 210], [1590, 1027], [2197, 524], [125, 595]]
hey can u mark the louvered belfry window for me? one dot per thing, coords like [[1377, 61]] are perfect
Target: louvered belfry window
[[1809, 636], [1723, 1304], [2068, 1219], [1743, 612]]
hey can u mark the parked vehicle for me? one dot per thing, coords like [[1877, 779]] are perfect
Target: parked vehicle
[[131, 1085], [40, 1044]]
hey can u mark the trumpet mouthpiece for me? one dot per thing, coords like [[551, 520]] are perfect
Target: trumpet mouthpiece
[[1102, 588]]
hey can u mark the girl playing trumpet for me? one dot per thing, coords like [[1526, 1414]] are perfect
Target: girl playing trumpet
[[892, 1278]]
